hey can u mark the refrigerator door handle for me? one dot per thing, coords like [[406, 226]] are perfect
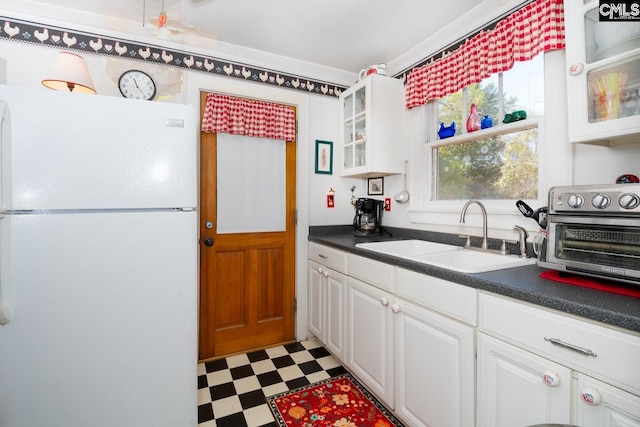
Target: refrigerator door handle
[[4, 310], [4, 314]]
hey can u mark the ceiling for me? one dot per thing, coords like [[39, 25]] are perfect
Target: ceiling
[[343, 34]]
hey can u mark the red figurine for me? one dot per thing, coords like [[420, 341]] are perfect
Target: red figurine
[[473, 122]]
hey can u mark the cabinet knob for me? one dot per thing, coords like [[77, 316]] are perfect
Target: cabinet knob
[[576, 69], [325, 273], [384, 301], [591, 396], [395, 308], [551, 378]]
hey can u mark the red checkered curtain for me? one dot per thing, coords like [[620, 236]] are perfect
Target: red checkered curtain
[[537, 27], [242, 116]]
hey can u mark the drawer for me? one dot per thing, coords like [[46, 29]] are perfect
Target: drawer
[[373, 272], [451, 299], [329, 257], [616, 353]]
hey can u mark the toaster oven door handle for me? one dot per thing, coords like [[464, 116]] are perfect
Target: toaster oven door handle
[[561, 343]]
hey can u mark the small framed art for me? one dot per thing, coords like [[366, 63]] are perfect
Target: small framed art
[[324, 157], [375, 186]]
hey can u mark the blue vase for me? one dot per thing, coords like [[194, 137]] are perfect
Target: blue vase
[[447, 131], [486, 122]]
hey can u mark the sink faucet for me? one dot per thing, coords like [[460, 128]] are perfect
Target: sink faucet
[[484, 219], [522, 240]]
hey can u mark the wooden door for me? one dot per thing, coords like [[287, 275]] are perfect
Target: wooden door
[[247, 280]]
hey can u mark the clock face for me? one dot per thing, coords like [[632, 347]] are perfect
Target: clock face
[[137, 84]]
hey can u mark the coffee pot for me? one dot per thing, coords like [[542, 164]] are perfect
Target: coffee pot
[[368, 217]]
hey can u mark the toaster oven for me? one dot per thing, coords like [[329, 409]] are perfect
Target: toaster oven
[[594, 230]]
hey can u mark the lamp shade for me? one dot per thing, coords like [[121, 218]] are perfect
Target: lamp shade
[[69, 72]]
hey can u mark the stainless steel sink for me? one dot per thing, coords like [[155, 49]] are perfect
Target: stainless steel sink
[[446, 256]]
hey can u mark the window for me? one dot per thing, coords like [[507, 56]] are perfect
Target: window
[[496, 163]]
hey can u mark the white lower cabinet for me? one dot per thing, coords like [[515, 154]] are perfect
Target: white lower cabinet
[[412, 340], [434, 360], [602, 405], [327, 302], [518, 388], [370, 332], [538, 366], [328, 298]]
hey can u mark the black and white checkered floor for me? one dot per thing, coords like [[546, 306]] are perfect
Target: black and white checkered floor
[[231, 391]]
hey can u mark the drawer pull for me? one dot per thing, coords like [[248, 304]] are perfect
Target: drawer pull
[[561, 343], [323, 256]]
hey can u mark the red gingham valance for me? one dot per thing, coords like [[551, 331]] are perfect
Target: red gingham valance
[[537, 27], [241, 116]]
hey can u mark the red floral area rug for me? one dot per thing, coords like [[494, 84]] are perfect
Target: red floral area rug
[[336, 402]]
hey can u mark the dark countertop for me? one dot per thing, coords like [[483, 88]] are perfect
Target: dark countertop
[[522, 283]]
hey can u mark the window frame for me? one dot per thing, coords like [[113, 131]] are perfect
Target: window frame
[[437, 214]]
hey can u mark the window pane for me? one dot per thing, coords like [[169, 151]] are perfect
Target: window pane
[[450, 110], [523, 87], [486, 97], [251, 184], [500, 167]]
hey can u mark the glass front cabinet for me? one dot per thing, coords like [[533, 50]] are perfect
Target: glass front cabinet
[[371, 114], [603, 61]]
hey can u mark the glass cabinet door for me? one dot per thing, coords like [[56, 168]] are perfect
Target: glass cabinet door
[[613, 92], [613, 89], [354, 128]]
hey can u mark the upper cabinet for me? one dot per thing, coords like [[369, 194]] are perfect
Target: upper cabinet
[[372, 113], [603, 62]]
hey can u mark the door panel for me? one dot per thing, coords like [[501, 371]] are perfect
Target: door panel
[[247, 279]]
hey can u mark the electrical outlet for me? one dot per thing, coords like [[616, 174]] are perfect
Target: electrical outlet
[[330, 201], [387, 204]]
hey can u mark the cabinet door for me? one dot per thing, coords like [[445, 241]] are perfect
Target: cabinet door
[[335, 309], [316, 300], [370, 332], [327, 304], [603, 59], [514, 389], [602, 405], [434, 358]]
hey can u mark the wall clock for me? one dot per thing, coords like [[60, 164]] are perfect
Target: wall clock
[[137, 84]]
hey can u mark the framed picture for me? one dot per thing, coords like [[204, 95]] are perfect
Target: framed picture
[[324, 157], [375, 186]]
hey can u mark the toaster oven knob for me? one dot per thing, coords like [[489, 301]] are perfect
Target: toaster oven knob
[[629, 201], [575, 201], [600, 201]]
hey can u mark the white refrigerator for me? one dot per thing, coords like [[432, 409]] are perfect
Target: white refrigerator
[[98, 261]]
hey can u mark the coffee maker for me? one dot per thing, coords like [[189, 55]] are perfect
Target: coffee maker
[[368, 217]]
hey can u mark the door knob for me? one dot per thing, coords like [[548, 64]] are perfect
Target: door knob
[[208, 241]]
